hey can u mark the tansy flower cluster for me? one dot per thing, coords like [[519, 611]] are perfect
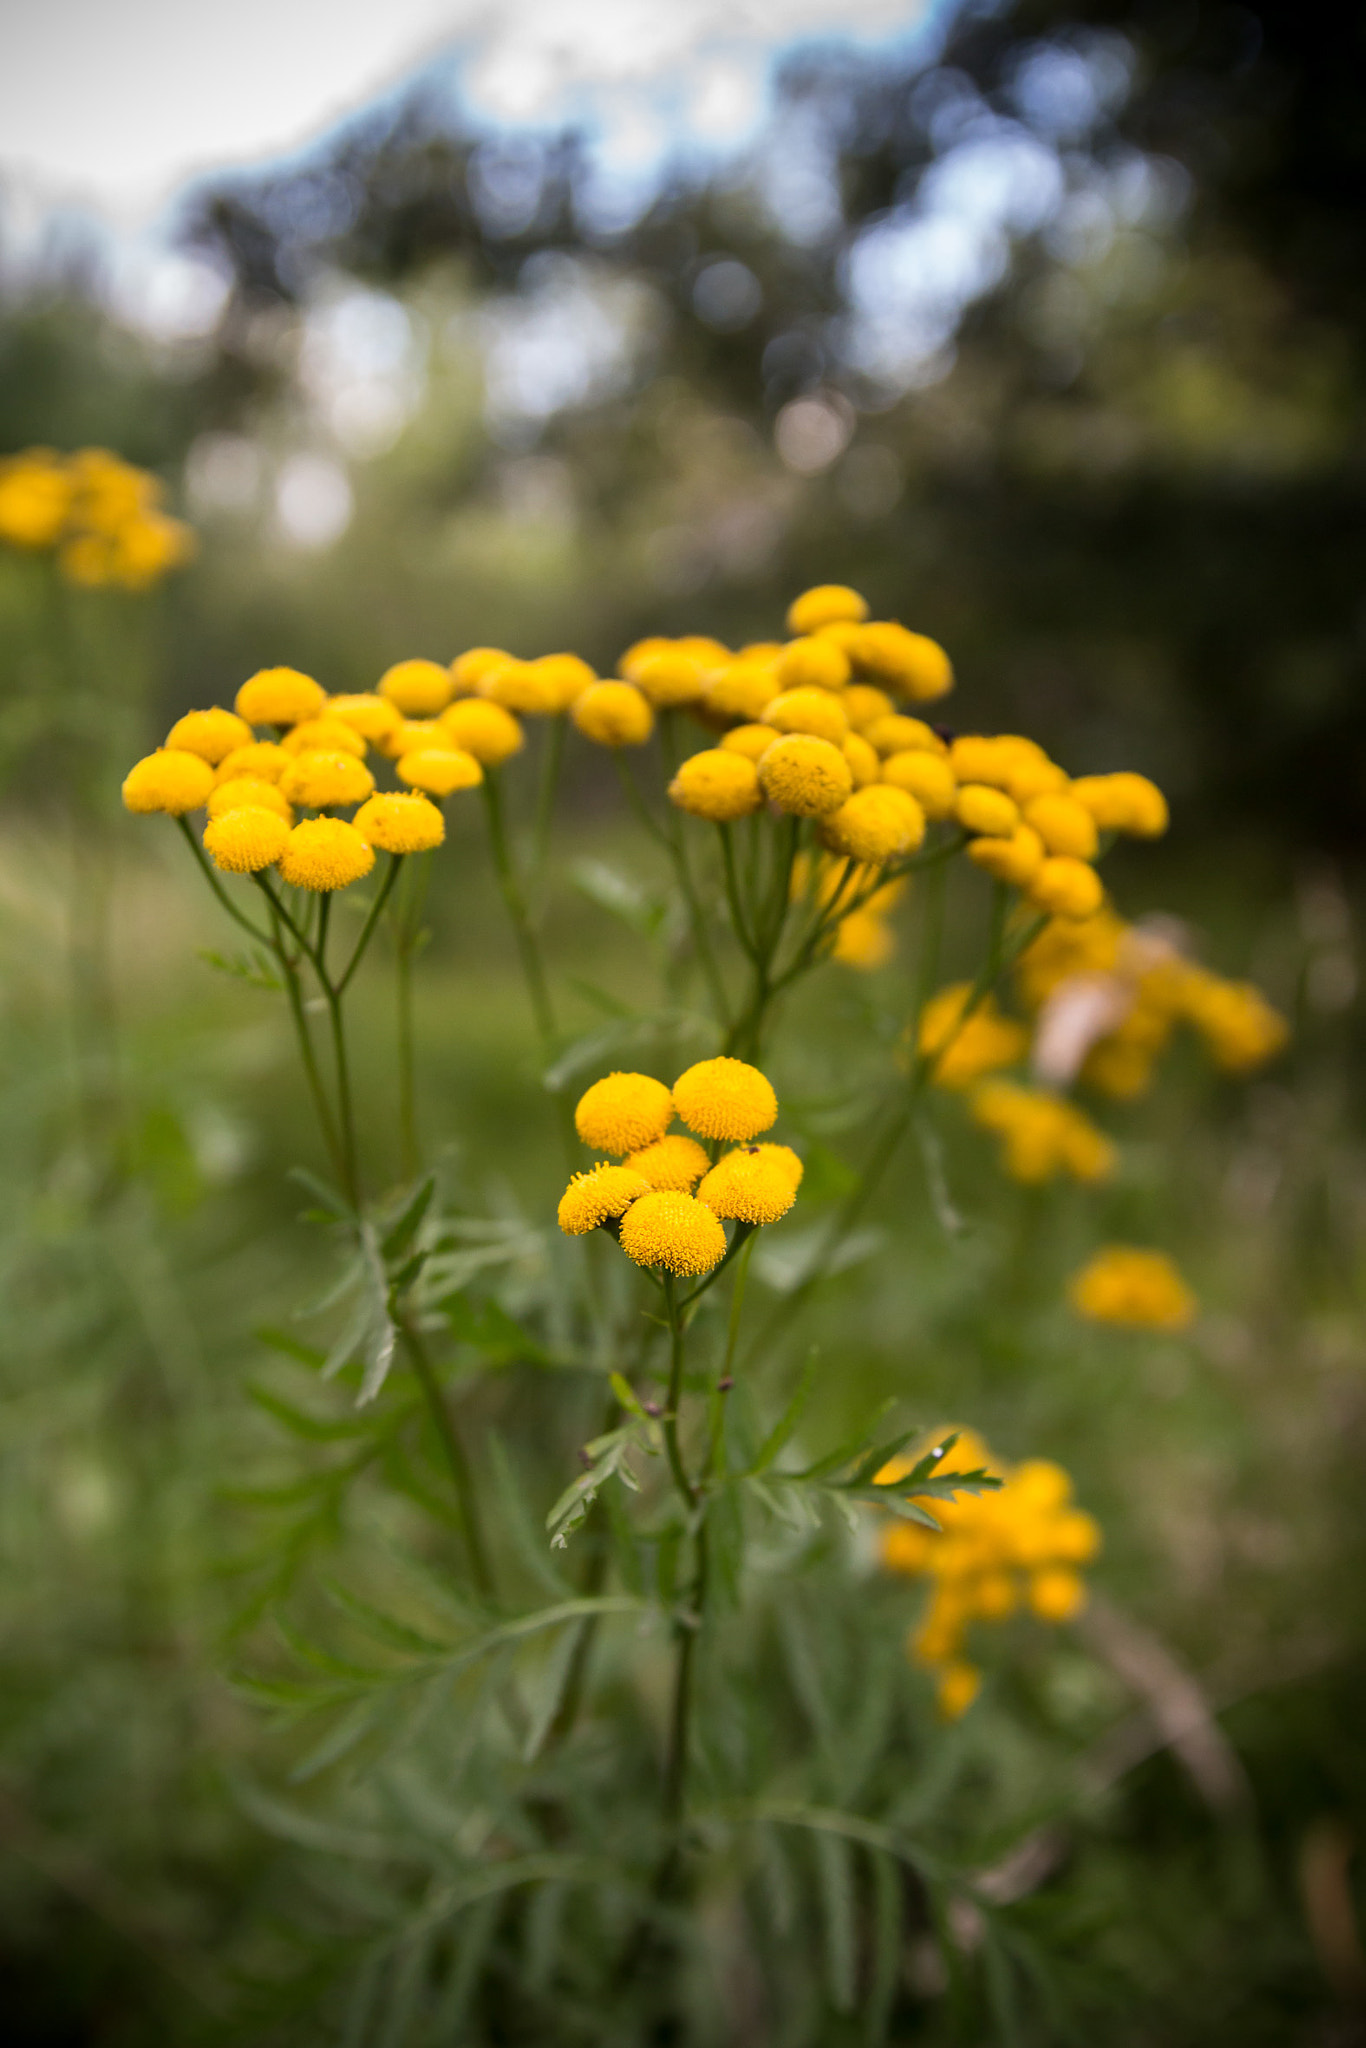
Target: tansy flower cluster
[[1138, 1289], [101, 515], [668, 1199], [1021, 1545]]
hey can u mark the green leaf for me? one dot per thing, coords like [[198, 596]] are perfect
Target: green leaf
[[282, 1341], [627, 1396], [490, 1329], [623, 896], [402, 1231], [253, 968], [330, 1198], [834, 1866], [294, 1419], [781, 1433]]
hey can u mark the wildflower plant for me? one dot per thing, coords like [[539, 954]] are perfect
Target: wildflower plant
[[564, 1661]]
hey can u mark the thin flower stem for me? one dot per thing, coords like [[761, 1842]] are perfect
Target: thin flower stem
[[677, 1329], [407, 936], [717, 1424], [449, 1437], [375, 913], [533, 969], [552, 759], [737, 910], [239, 917], [688, 1625], [307, 1056]]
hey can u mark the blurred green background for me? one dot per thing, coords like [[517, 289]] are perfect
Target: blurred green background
[[1045, 334]]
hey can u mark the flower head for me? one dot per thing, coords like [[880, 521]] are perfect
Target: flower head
[[1064, 825], [674, 1231], [325, 854], [279, 696], [468, 668], [1140, 1289], [418, 689], [668, 675], [814, 662], [212, 734], [896, 734], [613, 715], [926, 777], [963, 1047], [805, 776], [440, 770], [671, 1162], [331, 735], [398, 823], [623, 1113], [720, 784], [262, 760], [523, 687], [755, 1184], [246, 839], [865, 704], [1066, 887], [725, 1098], [371, 716], [566, 676], [35, 498], [740, 692], [1235, 1020], [169, 780], [810, 710], [753, 741], [908, 663], [980, 808], [864, 764], [828, 604], [1042, 1135], [485, 730], [1123, 803], [322, 780], [592, 1197], [875, 825], [250, 791], [863, 940], [1015, 860]]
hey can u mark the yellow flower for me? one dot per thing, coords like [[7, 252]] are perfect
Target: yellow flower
[[262, 760], [814, 711], [875, 825], [741, 691], [979, 808], [521, 686], [35, 497], [975, 757], [1063, 824], [864, 764], [147, 548], [246, 839], [815, 664], [623, 1113], [1235, 1020], [1056, 1594], [419, 689], [1123, 803], [717, 784], [956, 1687], [643, 650], [1066, 887], [753, 741], [1139, 1289], [828, 604], [400, 824], [712, 653], [324, 854], [250, 792], [965, 1050], [467, 670], [674, 1231], [926, 777], [864, 705], [613, 715], [323, 780], [328, 735], [440, 770], [1030, 775], [565, 676], [895, 734], [805, 776], [370, 716], [1042, 1135], [211, 734], [1015, 860], [674, 1162], [863, 940], [279, 696], [668, 676], [169, 780], [485, 730], [756, 1184], [908, 663], [725, 1098], [592, 1197]]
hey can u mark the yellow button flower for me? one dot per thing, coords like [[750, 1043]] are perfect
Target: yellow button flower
[[251, 791], [753, 741], [623, 1113], [1015, 860], [896, 734], [864, 764], [263, 760], [926, 777], [279, 696], [417, 689], [369, 715], [324, 854], [814, 711], [566, 676], [211, 734], [323, 780], [1123, 803], [247, 839], [979, 808], [864, 704], [977, 757], [327, 735], [412, 735], [966, 1048], [592, 1197], [814, 664], [910, 664], [875, 825], [741, 691], [485, 730], [1139, 1289], [673, 1162], [614, 715], [1042, 1135], [669, 676], [1063, 824], [35, 498], [441, 771], [523, 687], [1066, 887], [674, 1231], [756, 1184], [828, 604], [1236, 1021], [1031, 775], [725, 1098], [170, 780], [805, 776], [469, 668], [397, 823], [717, 784], [863, 940]]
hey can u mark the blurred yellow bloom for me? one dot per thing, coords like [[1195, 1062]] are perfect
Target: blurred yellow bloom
[[980, 808], [828, 604], [863, 940], [1042, 1135], [875, 825], [213, 734], [467, 670], [279, 696], [1124, 803], [35, 498], [1063, 824], [753, 741], [926, 777], [814, 663], [718, 784], [623, 1112], [725, 1098], [485, 730], [613, 715], [864, 764], [372, 717], [1237, 1023], [171, 781], [965, 1049], [667, 676], [894, 734], [323, 780], [908, 663], [1015, 860], [1066, 887], [565, 676], [248, 792], [523, 687], [864, 704], [329, 734], [674, 1231], [741, 691], [440, 770], [810, 710], [419, 689], [1129, 1285], [263, 760]]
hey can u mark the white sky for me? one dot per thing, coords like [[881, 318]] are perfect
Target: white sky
[[116, 102]]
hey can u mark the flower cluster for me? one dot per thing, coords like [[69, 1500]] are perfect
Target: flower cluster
[[1138, 1289], [1042, 1135], [102, 515], [667, 1202], [1023, 1543]]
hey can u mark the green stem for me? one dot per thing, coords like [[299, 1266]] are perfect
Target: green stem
[[239, 917], [737, 910], [444, 1423], [686, 1491], [373, 918], [688, 1626], [345, 1112], [533, 970], [307, 1057], [407, 936]]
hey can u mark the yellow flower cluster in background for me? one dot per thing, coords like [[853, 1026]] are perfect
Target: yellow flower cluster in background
[[102, 515], [649, 1199], [1138, 1289], [1042, 1135], [1021, 1545]]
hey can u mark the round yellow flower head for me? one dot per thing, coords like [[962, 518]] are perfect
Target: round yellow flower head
[[262, 760], [814, 711], [1042, 1134], [1140, 1289], [1066, 887], [623, 1113], [864, 704], [908, 663], [863, 940], [35, 497], [322, 780], [864, 764], [419, 689], [725, 1098], [169, 780], [979, 808], [1015, 860], [211, 734], [674, 1231], [400, 824], [1056, 1594], [875, 825], [741, 691], [411, 735], [371, 717], [926, 777], [566, 676], [956, 1687], [279, 696], [613, 715], [717, 784], [712, 653], [673, 1162], [978, 757], [896, 734], [248, 792], [828, 604], [440, 770], [669, 676], [814, 664], [1123, 803], [805, 776], [467, 670], [756, 1184], [592, 1197], [966, 1047], [1064, 825], [1031, 775], [244, 840], [753, 741], [485, 730], [1235, 1020], [641, 650], [325, 735], [324, 854], [520, 686]]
